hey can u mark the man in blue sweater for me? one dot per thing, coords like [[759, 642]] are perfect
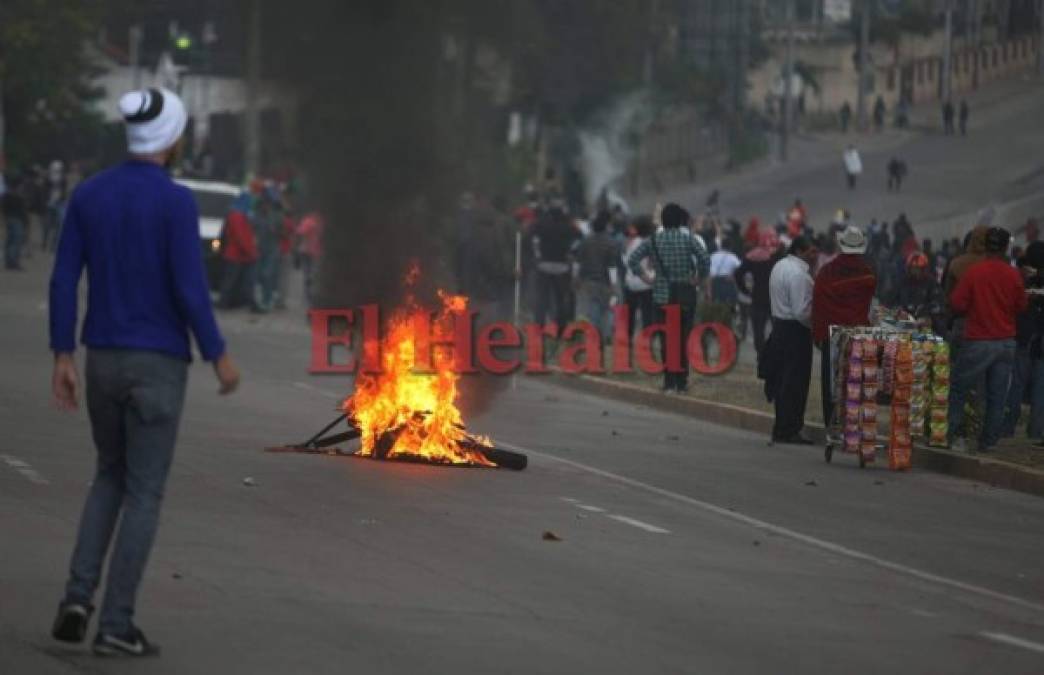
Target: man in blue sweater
[[137, 233]]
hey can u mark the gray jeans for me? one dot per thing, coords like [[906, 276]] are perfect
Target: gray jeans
[[992, 359], [134, 400]]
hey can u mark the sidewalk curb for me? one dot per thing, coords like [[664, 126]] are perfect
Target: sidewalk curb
[[987, 470]]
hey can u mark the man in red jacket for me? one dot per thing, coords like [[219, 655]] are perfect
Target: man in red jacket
[[841, 296], [989, 295], [239, 254]]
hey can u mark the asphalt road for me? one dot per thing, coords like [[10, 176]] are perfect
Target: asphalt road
[[685, 547], [951, 178]]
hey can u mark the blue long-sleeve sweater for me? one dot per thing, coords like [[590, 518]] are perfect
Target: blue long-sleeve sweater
[[137, 232]]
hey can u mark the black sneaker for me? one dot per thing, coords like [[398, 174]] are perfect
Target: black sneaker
[[132, 644], [71, 623]]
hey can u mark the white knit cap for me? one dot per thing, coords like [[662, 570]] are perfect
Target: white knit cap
[[155, 119]]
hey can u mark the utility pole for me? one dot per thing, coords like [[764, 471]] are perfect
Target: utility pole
[[864, 59], [648, 67], [971, 37], [134, 53], [252, 116], [742, 54], [1040, 42], [788, 74], [947, 67], [3, 133]]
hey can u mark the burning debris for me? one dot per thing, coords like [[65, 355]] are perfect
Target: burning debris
[[407, 410]]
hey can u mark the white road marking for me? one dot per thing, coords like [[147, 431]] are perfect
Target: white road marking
[[623, 519], [639, 524], [1006, 639], [321, 392], [27, 472], [816, 542]]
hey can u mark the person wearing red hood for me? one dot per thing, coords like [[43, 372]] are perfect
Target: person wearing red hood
[[752, 235], [239, 254], [756, 269], [841, 296], [796, 219]]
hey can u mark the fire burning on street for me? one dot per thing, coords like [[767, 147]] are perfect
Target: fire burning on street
[[406, 409], [403, 411]]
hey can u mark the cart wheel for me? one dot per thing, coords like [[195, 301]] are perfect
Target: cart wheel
[[828, 454], [862, 461]]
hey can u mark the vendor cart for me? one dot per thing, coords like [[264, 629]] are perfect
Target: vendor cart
[[894, 369]]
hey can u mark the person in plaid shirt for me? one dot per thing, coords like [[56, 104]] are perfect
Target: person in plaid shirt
[[677, 257]]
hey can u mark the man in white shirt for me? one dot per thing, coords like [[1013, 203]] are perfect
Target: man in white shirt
[[723, 265], [787, 366]]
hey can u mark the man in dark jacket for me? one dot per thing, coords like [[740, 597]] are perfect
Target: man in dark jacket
[[554, 236], [597, 257], [16, 219], [752, 278]]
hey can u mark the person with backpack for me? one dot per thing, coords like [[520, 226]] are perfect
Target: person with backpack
[[679, 261]]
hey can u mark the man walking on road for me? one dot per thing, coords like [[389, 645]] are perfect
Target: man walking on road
[[948, 118], [786, 362], [16, 218], [962, 117], [989, 295], [853, 165], [137, 233]]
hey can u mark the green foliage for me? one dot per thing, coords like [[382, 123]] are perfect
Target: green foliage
[[679, 82], [45, 73], [808, 75], [911, 17]]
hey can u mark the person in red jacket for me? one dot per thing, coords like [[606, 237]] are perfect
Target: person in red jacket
[[989, 295], [239, 254], [841, 296]]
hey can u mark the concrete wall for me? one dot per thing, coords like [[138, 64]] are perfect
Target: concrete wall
[[680, 147], [914, 64]]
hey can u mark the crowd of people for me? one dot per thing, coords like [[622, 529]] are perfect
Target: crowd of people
[[35, 200], [263, 238], [783, 284]]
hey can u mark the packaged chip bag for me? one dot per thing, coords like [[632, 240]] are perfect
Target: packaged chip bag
[[937, 434], [868, 451], [899, 451], [870, 391], [854, 392], [852, 411], [901, 394], [870, 348], [890, 352], [900, 416], [852, 441], [869, 412], [869, 431], [941, 356], [941, 396]]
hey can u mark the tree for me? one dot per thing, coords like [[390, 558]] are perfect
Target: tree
[[44, 75]]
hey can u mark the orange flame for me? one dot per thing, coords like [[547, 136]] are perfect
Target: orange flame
[[414, 412]]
